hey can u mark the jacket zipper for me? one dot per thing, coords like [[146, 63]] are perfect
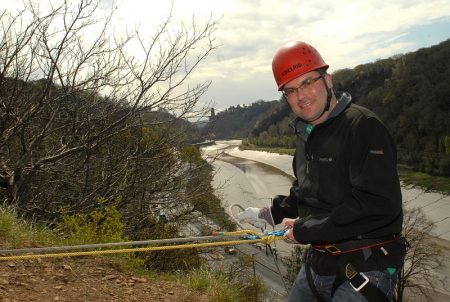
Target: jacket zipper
[[307, 163], [308, 156]]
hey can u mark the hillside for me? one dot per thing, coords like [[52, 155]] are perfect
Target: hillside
[[238, 121]]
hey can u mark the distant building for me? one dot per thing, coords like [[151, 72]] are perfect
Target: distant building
[[212, 117]]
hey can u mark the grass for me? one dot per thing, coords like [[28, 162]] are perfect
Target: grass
[[218, 287], [19, 233], [427, 182]]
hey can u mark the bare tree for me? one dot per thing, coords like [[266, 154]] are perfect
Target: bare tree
[[82, 114], [418, 277]]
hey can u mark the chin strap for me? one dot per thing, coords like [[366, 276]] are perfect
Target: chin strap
[[329, 96], [329, 92]]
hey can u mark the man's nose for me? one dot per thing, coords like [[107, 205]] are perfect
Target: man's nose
[[300, 93]]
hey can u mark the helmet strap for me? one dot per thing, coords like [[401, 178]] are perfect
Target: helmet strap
[[329, 91], [329, 94]]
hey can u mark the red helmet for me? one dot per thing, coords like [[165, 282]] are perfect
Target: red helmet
[[294, 59]]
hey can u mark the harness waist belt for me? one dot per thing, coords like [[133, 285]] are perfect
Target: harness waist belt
[[354, 245]]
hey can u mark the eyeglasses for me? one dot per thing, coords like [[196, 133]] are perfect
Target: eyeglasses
[[290, 92]]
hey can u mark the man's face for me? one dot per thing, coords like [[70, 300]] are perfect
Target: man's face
[[309, 100]]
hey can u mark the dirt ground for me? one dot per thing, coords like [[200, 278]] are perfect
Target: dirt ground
[[98, 279], [84, 279]]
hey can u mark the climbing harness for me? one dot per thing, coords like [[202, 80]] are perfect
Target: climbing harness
[[354, 245], [346, 271]]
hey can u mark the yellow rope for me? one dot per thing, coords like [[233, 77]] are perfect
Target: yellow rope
[[262, 239]]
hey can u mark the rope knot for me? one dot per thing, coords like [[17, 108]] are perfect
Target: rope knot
[[269, 239]]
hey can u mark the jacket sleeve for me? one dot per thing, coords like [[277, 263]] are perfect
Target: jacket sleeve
[[374, 208], [286, 206]]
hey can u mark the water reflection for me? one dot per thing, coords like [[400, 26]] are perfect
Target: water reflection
[[248, 182]]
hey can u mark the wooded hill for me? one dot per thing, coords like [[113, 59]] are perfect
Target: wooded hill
[[238, 121], [409, 92]]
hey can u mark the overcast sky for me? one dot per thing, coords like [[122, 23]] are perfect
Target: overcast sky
[[346, 33]]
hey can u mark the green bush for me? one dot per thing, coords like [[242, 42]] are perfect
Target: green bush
[[102, 225]]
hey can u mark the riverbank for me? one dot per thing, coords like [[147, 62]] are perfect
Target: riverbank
[[409, 177]]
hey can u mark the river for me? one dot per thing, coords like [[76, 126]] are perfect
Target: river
[[252, 179]]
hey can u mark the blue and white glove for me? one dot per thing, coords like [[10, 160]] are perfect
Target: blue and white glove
[[257, 217]]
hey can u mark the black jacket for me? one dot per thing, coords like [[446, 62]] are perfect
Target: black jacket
[[346, 183]]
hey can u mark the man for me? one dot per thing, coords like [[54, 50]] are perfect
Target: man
[[346, 200]]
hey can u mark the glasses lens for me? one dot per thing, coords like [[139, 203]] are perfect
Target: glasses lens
[[289, 92]]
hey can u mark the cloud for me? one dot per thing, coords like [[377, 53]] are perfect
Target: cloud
[[346, 33]]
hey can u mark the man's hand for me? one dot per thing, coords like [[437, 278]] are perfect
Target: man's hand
[[289, 224], [257, 217]]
